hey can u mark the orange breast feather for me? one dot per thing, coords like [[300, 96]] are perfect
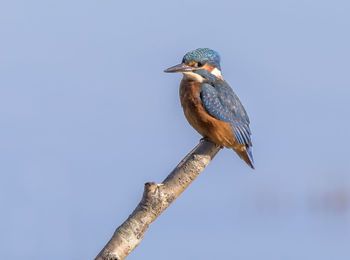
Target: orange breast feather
[[218, 131]]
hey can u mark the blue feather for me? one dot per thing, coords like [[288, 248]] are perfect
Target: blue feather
[[221, 102]]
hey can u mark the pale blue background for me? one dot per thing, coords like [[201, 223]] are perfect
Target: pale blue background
[[87, 116]]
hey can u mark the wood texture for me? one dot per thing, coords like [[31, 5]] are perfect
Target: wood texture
[[156, 198]]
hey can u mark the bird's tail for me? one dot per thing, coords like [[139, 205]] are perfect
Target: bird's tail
[[247, 156]]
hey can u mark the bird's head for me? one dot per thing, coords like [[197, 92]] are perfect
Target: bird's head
[[197, 63]]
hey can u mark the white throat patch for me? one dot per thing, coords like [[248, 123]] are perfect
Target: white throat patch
[[217, 73], [193, 76]]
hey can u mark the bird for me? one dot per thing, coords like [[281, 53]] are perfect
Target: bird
[[210, 105]]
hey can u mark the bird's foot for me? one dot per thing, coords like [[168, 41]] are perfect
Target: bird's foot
[[205, 139]]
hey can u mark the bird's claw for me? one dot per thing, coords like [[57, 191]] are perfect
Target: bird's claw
[[205, 139]]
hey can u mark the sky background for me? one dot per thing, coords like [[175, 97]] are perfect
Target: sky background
[[87, 116]]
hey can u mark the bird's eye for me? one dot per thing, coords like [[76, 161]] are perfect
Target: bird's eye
[[199, 64]]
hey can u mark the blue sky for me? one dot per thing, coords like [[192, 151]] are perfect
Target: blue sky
[[88, 116]]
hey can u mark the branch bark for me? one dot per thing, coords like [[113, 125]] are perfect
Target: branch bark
[[156, 198]]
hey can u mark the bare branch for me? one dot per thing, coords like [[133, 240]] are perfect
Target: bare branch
[[156, 198]]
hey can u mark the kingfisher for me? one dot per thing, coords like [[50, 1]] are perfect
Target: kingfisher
[[210, 105]]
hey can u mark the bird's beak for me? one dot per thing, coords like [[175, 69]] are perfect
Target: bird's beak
[[180, 68]]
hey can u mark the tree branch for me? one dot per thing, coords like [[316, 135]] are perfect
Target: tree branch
[[156, 198]]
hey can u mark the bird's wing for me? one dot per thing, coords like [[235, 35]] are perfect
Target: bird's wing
[[221, 102]]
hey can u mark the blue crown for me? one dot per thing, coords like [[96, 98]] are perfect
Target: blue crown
[[203, 55]]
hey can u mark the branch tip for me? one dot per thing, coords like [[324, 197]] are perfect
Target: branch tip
[[156, 198]]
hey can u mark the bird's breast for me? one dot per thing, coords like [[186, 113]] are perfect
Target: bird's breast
[[218, 131]]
